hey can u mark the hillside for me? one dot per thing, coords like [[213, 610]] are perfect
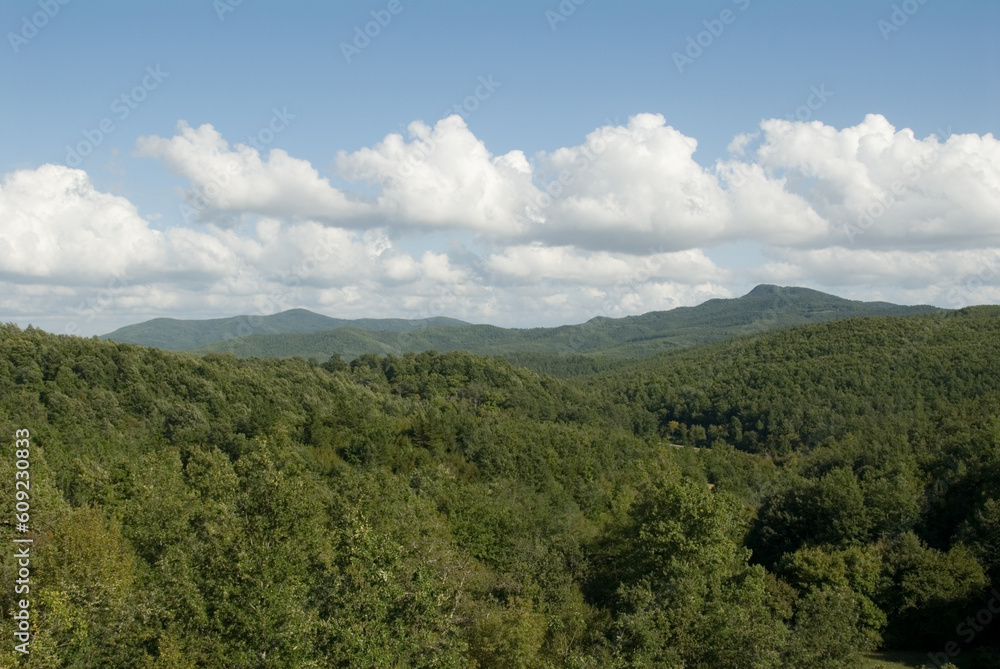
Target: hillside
[[453, 510], [765, 307], [178, 335]]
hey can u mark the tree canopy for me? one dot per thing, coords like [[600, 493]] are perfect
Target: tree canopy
[[790, 499]]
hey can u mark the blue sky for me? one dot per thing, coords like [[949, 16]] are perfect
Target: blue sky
[[104, 240]]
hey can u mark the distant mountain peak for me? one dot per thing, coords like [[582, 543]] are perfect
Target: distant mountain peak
[[303, 333], [769, 289]]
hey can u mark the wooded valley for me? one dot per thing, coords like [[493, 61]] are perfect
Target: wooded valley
[[789, 499]]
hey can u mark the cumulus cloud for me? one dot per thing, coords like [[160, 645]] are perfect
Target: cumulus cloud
[[639, 179], [617, 224], [238, 180], [630, 188], [90, 254], [763, 208], [882, 188], [634, 188], [444, 177], [58, 227]]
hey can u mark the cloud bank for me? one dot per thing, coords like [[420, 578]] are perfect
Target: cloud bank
[[624, 222]]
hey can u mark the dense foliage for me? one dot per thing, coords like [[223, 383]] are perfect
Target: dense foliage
[[782, 501]]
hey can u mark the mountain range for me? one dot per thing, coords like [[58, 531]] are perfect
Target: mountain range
[[181, 335], [299, 332]]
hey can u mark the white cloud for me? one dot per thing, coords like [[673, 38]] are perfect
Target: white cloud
[[536, 262], [882, 188], [633, 188], [616, 225], [739, 144], [630, 188], [237, 180], [764, 210], [905, 269], [444, 177], [58, 228]]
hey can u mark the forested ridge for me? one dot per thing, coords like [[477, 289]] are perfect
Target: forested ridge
[[787, 500], [300, 333], [179, 335]]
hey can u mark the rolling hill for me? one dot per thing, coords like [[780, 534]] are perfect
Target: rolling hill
[[179, 335], [765, 307]]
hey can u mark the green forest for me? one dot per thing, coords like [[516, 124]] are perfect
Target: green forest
[[798, 498]]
